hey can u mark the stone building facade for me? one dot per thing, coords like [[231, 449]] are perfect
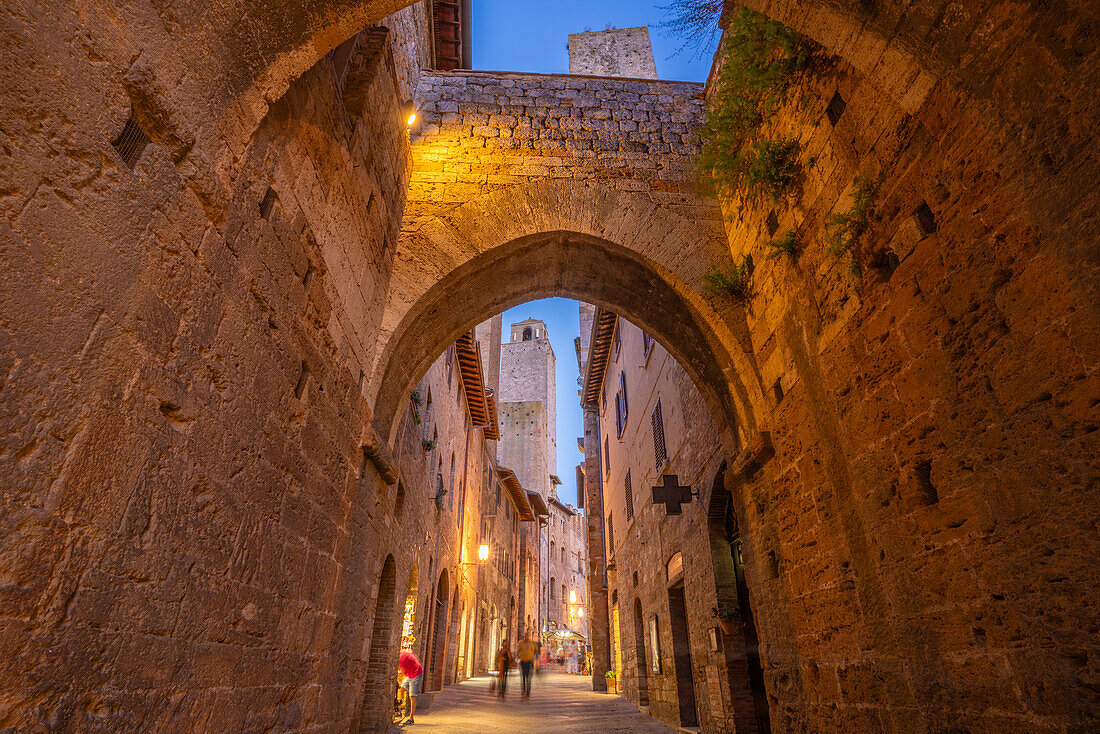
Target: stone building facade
[[620, 52], [566, 573], [227, 264], [670, 567]]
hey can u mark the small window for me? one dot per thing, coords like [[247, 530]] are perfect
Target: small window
[[926, 220], [131, 142], [553, 583], [928, 493], [660, 451], [527, 334], [629, 497], [606, 456], [835, 109], [773, 223], [621, 405], [610, 533], [647, 343], [563, 555], [267, 204], [778, 390]]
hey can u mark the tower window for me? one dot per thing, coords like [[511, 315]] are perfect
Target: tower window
[[527, 334]]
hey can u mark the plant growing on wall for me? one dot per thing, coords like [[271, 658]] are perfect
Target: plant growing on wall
[[415, 398], [847, 226], [734, 281], [429, 444], [760, 58], [788, 245]]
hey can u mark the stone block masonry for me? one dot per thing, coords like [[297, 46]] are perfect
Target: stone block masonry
[[619, 52], [483, 130]]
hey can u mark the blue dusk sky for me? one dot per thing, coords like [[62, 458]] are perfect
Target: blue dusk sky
[[525, 35]]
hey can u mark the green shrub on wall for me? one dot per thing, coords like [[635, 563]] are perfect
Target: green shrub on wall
[[760, 59]]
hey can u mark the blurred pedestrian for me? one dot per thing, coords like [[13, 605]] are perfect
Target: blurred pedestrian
[[527, 650], [504, 664]]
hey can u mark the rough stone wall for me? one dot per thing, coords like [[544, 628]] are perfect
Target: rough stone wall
[[484, 130], [619, 52], [184, 502], [935, 448]]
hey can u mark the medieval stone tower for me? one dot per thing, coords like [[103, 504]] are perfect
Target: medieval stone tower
[[622, 52], [528, 415]]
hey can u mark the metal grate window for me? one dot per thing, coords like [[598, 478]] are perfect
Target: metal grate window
[[926, 220], [610, 533], [267, 204], [629, 497], [130, 143], [660, 451]]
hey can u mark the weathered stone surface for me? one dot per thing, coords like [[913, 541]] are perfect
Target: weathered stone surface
[[187, 543]]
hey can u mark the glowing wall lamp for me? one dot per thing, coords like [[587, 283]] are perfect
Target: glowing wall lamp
[[572, 596], [483, 552], [409, 113]]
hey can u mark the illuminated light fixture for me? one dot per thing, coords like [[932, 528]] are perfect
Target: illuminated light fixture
[[409, 113], [483, 552], [580, 612], [572, 596]]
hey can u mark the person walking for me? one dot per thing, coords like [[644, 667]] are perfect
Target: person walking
[[504, 663], [412, 674], [527, 651]]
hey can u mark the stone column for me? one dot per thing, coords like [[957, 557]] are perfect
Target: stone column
[[598, 626]]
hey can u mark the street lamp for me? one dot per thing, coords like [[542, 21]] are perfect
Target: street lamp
[[483, 552], [572, 596]]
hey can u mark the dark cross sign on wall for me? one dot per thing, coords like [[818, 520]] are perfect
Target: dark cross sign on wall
[[670, 494]]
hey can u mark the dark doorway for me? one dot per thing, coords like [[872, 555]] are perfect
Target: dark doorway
[[639, 654], [681, 652], [382, 664], [438, 657], [744, 672]]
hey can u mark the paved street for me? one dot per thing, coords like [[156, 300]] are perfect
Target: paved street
[[558, 703]]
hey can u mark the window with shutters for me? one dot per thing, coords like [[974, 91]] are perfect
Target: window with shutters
[[660, 452], [621, 405], [647, 343], [610, 533], [629, 497], [606, 456]]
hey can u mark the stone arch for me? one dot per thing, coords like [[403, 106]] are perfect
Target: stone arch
[[374, 707], [438, 639], [641, 672], [705, 335], [741, 649]]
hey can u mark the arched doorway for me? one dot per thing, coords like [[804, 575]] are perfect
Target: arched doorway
[[639, 654], [744, 672], [408, 622], [438, 652], [381, 662]]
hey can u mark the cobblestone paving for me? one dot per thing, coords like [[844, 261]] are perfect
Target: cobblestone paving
[[558, 703]]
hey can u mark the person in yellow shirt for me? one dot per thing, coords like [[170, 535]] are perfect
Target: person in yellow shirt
[[527, 649]]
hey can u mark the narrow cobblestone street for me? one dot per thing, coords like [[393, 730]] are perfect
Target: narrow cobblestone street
[[558, 703]]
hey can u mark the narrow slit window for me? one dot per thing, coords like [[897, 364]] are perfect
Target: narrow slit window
[[773, 223], [267, 204], [303, 380], [130, 143], [836, 108], [778, 389], [928, 493]]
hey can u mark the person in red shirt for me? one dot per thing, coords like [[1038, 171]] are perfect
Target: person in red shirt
[[412, 674]]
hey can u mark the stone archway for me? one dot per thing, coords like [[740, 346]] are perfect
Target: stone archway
[[374, 708]]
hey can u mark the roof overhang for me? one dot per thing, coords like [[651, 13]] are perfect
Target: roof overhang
[[538, 504], [599, 354], [451, 39], [480, 403], [519, 496]]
